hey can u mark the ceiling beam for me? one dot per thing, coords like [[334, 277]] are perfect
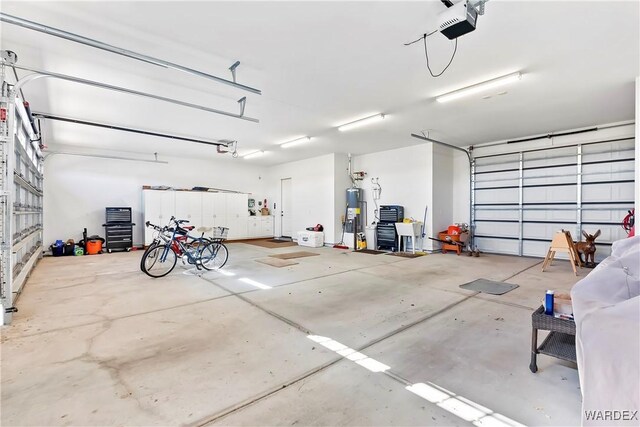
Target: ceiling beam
[[9, 19], [42, 74], [46, 116]]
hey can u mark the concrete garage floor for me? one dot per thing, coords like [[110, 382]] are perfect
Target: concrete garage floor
[[97, 342]]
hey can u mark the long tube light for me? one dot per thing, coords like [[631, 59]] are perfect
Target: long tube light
[[361, 122], [294, 142], [254, 155], [480, 87]]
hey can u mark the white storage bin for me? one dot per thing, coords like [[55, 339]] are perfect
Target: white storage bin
[[312, 239]]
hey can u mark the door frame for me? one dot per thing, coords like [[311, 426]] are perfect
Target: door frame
[[282, 204]]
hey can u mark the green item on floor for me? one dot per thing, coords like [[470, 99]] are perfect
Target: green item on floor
[[78, 251]]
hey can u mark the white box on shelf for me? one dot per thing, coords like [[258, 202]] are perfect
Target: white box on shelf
[[312, 239]]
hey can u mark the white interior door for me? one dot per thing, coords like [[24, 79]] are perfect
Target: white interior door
[[285, 208]]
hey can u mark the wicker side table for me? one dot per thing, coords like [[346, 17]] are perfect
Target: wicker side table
[[561, 341]]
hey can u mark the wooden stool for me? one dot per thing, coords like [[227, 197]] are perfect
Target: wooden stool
[[562, 242]]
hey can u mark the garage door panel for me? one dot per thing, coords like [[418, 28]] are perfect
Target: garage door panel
[[550, 213], [493, 214], [498, 229], [545, 231], [509, 195], [608, 192], [549, 194], [560, 190], [501, 246], [497, 178]]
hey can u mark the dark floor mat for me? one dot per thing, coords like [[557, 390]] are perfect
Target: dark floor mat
[[489, 286], [279, 241], [405, 254], [370, 251]]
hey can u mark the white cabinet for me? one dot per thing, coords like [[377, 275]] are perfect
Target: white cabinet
[[201, 209], [260, 226], [237, 215], [253, 227], [159, 206], [266, 225], [189, 207]]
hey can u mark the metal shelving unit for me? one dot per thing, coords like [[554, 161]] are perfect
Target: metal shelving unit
[[520, 198], [21, 207]]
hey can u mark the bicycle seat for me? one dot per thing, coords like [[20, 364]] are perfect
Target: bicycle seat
[[188, 227]]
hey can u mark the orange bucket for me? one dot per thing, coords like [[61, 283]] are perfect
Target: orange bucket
[[453, 230], [94, 247]]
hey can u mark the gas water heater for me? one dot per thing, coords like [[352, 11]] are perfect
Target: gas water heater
[[355, 210]]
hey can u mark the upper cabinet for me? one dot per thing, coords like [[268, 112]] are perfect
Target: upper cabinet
[[201, 209]]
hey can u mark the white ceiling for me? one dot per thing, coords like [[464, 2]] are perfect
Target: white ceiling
[[321, 64]]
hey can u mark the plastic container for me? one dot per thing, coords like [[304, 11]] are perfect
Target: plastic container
[[57, 249], [548, 303], [453, 230], [312, 239], [94, 247], [68, 249], [370, 235]]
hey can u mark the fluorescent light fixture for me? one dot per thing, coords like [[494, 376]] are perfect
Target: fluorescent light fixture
[[254, 155], [297, 141], [361, 122], [480, 87]]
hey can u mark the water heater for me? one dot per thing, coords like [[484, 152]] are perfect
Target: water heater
[[355, 209]]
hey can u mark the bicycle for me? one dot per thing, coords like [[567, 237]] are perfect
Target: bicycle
[[161, 256]]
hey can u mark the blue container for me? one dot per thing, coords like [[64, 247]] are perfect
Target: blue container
[[57, 249], [548, 303]]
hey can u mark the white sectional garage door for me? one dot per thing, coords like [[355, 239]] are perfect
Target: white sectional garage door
[[520, 199]]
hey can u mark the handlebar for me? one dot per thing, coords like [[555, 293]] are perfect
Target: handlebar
[[155, 227]]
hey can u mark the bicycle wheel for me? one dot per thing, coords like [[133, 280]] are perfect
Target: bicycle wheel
[[214, 256], [151, 246], [152, 263]]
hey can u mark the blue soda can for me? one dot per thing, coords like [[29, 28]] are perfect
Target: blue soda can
[[548, 303]]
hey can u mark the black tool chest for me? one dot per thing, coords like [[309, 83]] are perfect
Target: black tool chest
[[386, 235], [118, 229]]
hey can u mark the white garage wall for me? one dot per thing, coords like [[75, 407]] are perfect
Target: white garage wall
[[405, 176], [341, 183], [77, 189], [460, 182], [441, 206], [312, 185]]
